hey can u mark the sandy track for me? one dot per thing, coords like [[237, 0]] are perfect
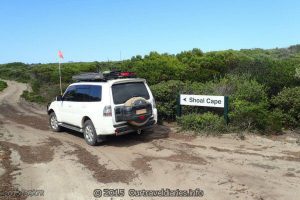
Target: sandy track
[[65, 167]]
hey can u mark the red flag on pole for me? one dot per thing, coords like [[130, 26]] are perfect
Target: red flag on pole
[[60, 54]]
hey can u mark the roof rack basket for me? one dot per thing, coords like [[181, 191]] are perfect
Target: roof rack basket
[[89, 77]]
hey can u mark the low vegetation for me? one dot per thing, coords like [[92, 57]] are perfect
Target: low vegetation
[[3, 85], [287, 105], [262, 85], [32, 97], [207, 123]]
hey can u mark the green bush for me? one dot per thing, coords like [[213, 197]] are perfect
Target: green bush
[[156, 67], [288, 103], [274, 122], [247, 115], [166, 95], [32, 97], [248, 104], [3, 85], [15, 71], [207, 122], [251, 117]]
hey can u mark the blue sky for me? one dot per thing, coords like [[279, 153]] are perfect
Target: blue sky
[[32, 31]]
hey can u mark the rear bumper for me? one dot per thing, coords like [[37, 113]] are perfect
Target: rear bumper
[[122, 129]]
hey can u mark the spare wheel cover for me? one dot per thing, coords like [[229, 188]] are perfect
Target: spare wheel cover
[[130, 102]]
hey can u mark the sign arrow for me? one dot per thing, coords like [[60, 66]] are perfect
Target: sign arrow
[[184, 99]]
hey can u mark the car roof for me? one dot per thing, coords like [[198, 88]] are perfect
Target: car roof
[[110, 82]]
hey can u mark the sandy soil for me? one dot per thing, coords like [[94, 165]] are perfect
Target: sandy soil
[[65, 167]]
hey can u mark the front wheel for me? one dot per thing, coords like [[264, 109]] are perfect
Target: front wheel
[[54, 123], [89, 133]]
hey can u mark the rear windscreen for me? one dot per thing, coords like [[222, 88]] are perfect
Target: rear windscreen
[[124, 91]]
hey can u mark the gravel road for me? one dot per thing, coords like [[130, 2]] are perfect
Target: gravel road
[[63, 166]]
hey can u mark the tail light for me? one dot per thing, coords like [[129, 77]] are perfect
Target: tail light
[[142, 117], [107, 112]]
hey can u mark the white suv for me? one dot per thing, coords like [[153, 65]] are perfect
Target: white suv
[[104, 107]]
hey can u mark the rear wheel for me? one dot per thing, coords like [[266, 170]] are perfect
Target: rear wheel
[[89, 133], [54, 123]]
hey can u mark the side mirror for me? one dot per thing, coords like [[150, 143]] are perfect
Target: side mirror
[[59, 98]]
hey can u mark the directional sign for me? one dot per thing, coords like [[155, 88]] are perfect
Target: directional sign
[[202, 100]]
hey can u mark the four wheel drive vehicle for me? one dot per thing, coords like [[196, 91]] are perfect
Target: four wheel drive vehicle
[[99, 106]]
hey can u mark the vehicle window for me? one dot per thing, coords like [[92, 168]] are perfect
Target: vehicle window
[[70, 94], [82, 93], [124, 91], [88, 93], [95, 93]]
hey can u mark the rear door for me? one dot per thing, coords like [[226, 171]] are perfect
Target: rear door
[[88, 98], [121, 92]]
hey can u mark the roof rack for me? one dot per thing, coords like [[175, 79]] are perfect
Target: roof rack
[[88, 77], [107, 75]]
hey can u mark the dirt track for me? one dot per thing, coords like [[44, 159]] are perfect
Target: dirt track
[[65, 167]]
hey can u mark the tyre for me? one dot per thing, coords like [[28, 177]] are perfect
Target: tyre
[[89, 133], [54, 123]]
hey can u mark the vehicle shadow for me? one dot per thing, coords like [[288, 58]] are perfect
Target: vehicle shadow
[[73, 133], [157, 132]]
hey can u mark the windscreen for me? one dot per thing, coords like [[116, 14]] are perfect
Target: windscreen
[[124, 91]]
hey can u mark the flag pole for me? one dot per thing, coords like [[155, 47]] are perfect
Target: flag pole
[[60, 57], [59, 76]]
